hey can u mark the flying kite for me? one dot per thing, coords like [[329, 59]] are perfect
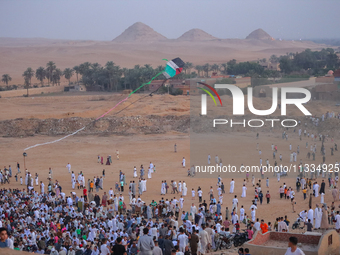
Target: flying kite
[[172, 68]]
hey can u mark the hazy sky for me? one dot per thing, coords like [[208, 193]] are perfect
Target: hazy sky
[[106, 19]]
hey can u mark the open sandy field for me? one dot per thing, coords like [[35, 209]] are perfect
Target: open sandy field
[[81, 151]]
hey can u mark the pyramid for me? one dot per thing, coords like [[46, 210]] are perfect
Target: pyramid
[[259, 34], [196, 35], [139, 32]]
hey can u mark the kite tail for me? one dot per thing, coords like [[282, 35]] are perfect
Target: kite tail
[[55, 141]]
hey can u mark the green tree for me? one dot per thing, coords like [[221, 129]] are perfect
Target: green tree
[[68, 73], [206, 68], [6, 78], [50, 67], [40, 74], [273, 59], [224, 65], [215, 68], [77, 71], [286, 65], [28, 74], [56, 75], [199, 69]]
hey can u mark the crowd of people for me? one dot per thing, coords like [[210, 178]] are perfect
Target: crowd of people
[[49, 221]]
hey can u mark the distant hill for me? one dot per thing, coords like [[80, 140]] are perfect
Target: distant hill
[[139, 32], [196, 35], [259, 34], [333, 42]]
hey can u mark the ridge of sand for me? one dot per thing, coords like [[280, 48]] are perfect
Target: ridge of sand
[[196, 35], [139, 32], [259, 34]]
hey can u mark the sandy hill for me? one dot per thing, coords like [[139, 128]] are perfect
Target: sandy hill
[[259, 34], [196, 35], [139, 32]]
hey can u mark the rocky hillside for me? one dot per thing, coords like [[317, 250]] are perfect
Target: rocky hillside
[[149, 124]]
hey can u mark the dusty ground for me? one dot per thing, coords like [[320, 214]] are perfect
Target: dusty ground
[[81, 151]]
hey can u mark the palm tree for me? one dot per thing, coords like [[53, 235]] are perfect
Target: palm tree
[[40, 74], [50, 67], [224, 65], [189, 66], [110, 66], [68, 73], [199, 69], [215, 68], [84, 67], [206, 68], [28, 74], [6, 78], [57, 73], [77, 70]]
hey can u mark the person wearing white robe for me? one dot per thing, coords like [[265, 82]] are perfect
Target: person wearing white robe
[[185, 189], [232, 186], [68, 167], [278, 176], [244, 191], [36, 180], [42, 188], [150, 173], [115, 200], [134, 172], [322, 198], [193, 211], [163, 190], [303, 215], [144, 185], [181, 201], [317, 217], [179, 186], [310, 216], [183, 162], [241, 214], [316, 190], [253, 215], [73, 183]]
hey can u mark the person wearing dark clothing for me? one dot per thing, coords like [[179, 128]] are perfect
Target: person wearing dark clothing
[[193, 242], [97, 200], [168, 246], [118, 248], [322, 188]]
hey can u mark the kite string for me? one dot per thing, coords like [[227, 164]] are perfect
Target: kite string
[[141, 86], [58, 140]]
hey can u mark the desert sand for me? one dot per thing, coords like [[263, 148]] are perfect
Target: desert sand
[[81, 152]]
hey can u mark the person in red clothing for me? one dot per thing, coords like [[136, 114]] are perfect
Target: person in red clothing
[[85, 194], [264, 227], [237, 226]]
